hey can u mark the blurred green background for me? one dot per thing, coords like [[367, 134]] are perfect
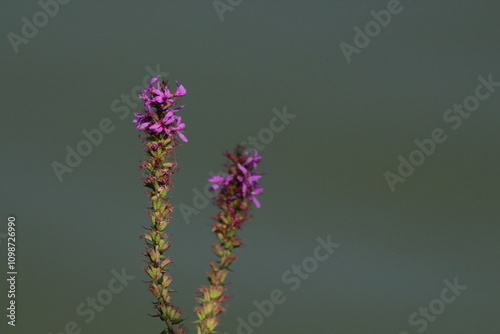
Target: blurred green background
[[325, 169]]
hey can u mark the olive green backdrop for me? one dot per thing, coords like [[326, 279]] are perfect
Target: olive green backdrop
[[351, 103]]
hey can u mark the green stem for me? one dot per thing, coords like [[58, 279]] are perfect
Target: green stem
[[159, 170]]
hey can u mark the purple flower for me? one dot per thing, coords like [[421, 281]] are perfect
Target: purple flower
[[181, 91], [253, 161], [250, 185], [159, 114], [242, 181], [142, 120], [220, 181], [169, 124], [161, 94]]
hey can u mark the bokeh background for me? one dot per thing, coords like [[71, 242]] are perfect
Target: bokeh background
[[325, 170]]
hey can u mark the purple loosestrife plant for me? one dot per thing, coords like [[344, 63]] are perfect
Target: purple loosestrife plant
[[236, 192], [162, 128]]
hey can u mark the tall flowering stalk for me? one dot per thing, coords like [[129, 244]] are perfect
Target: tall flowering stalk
[[236, 191], [162, 127]]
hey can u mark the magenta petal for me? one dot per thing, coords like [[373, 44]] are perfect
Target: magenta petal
[[215, 178], [168, 118], [181, 91], [168, 93], [153, 80], [254, 178], [168, 121], [243, 169], [181, 135], [256, 201], [180, 126], [258, 191], [178, 108]]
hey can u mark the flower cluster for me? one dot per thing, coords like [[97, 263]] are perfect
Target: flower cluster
[[159, 114], [235, 193], [241, 181]]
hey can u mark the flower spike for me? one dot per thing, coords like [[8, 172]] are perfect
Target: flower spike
[[235, 192]]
